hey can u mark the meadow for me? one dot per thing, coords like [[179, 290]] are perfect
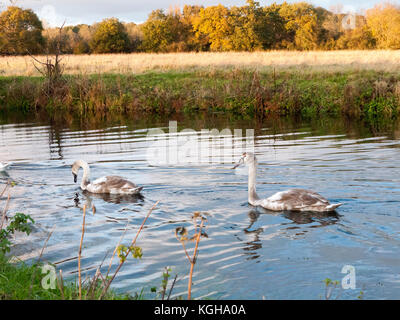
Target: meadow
[[321, 61], [356, 84]]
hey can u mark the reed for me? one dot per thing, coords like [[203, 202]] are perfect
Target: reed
[[80, 252], [181, 235]]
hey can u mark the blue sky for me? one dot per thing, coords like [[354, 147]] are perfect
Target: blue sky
[[89, 11]]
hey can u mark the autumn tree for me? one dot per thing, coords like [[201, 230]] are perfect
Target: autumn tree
[[110, 36], [20, 32], [274, 30], [249, 27], [82, 36], [257, 27], [165, 32], [303, 25], [190, 14], [384, 23], [358, 38], [215, 23], [135, 35], [331, 29], [294, 26], [57, 40]]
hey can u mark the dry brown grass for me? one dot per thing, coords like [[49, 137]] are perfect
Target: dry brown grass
[[329, 61]]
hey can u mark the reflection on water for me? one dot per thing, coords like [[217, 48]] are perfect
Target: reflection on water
[[113, 198], [311, 219], [250, 252]]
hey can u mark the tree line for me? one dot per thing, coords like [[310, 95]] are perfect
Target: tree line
[[297, 26]]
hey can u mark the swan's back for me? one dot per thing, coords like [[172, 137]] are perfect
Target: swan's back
[[298, 200], [113, 185]]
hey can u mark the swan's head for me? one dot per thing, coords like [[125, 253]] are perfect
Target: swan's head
[[246, 158], [75, 169]]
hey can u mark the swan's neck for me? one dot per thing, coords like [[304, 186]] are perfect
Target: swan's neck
[[86, 174], [253, 197]]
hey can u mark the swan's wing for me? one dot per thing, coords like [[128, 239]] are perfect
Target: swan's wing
[[296, 199], [113, 185]]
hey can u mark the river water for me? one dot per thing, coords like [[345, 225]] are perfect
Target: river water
[[249, 253]]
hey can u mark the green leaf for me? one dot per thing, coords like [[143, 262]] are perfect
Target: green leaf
[[137, 252]]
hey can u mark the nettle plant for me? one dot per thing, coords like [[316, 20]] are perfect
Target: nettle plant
[[19, 222]]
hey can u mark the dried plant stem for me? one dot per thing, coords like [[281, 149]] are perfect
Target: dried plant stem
[[80, 253], [187, 254], [92, 287], [3, 216], [61, 285], [39, 258], [165, 283], [172, 287], [116, 248], [52, 71], [127, 252], [5, 188], [45, 244], [193, 260]]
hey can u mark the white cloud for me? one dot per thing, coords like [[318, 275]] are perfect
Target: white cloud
[[49, 16]]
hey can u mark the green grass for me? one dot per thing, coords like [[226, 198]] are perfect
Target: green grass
[[355, 94], [20, 281]]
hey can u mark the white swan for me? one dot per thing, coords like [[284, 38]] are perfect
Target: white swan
[[104, 185], [4, 165], [291, 200]]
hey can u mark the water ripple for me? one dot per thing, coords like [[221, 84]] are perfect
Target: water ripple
[[249, 253]]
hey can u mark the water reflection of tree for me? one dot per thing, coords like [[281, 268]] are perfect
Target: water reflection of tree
[[55, 143]]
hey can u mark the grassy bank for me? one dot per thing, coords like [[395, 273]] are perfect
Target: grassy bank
[[357, 94], [20, 281], [41, 281]]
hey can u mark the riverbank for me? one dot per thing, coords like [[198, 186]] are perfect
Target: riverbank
[[21, 281], [356, 94]]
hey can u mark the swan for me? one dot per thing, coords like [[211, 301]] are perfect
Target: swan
[[4, 165], [290, 200], [104, 185]]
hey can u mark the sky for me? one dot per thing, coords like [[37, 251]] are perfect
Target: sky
[[73, 12]]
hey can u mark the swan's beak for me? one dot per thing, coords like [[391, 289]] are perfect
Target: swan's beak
[[239, 163], [75, 177], [236, 165]]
